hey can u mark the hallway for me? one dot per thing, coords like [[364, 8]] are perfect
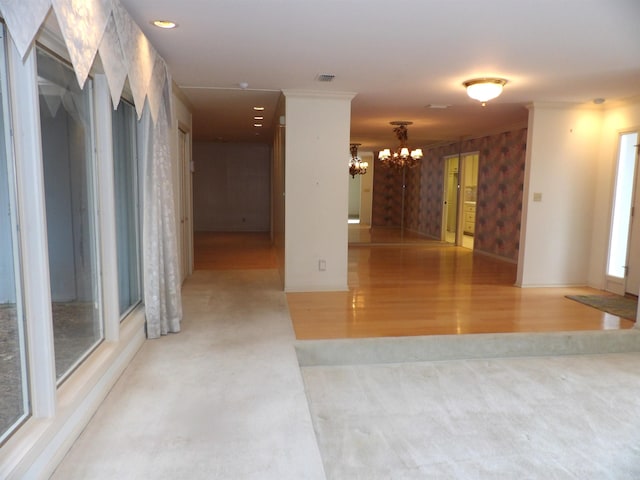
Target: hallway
[[227, 399]]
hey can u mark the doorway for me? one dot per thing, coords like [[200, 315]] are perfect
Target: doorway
[[450, 200], [623, 265], [186, 205], [459, 199], [354, 198]]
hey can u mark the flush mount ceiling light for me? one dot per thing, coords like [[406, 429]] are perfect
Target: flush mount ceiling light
[[168, 24], [484, 89]]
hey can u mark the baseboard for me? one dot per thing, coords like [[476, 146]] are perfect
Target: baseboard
[[497, 257]]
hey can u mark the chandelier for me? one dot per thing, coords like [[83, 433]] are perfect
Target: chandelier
[[356, 165], [401, 156]]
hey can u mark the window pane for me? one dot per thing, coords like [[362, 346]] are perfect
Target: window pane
[[65, 116], [127, 206], [14, 406]]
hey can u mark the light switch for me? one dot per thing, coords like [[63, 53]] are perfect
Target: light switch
[[537, 196]]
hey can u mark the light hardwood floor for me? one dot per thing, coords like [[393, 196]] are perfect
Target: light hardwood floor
[[407, 286]]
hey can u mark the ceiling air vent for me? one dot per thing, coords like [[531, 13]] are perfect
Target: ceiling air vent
[[326, 77]]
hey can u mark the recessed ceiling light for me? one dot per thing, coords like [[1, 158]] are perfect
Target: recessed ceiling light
[[258, 109], [257, 124], [168, 24], [258, 118], [437, 106]]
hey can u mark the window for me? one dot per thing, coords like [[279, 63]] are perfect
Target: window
[[14, 394], [127, 206], [68, 162]]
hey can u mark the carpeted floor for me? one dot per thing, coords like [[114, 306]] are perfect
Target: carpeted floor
[[625, 307]]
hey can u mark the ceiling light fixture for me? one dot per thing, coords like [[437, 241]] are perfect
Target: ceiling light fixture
[[167, 24], [401, 156], [356, 165], [484, 89]]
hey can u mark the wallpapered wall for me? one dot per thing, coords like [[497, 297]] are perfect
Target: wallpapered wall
[[499, 203]]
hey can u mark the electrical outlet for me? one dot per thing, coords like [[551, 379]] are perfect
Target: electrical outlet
[[322, 265]]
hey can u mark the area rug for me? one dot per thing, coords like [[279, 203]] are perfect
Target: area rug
[[624, 307]]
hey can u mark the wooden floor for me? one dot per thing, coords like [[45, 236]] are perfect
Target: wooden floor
[[232, 251], [403, 287]]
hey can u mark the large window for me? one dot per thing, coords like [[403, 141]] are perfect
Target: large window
[[14, 399], [127, 206], [69, 176]]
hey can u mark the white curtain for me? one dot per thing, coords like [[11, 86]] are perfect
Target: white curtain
[[163, 305], [91, 25]]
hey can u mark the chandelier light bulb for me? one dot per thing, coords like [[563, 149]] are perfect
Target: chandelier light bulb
[[384, 154]]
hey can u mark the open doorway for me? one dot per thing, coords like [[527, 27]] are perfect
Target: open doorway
[[186, 205], [360, 193], [354, 198], [450, 200], [623, 265], [459, 199]]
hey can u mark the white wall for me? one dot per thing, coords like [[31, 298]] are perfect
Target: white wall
[[231, 187], [618, 118], [316, 190], [561, 166]]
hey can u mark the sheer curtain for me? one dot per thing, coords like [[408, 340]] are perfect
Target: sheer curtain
[[163, 305], [89, 26]]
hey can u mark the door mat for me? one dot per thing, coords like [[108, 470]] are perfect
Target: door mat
[[624, 307]]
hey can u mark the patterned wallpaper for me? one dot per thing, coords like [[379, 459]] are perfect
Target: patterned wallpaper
[[387, 196], [500, 186]]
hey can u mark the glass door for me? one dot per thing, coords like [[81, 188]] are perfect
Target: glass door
[[623, 262]]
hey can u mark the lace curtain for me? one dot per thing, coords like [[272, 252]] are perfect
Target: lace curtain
[[104, 26], [162, 300]]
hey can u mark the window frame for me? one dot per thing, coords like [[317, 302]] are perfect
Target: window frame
[[127, 98], [14, 220], [50, 46]]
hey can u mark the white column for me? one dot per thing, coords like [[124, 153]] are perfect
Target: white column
[[316, 190]]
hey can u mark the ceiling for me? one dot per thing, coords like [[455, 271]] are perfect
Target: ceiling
[[397, 56]]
